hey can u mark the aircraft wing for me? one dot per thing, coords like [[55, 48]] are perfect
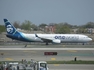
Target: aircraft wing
[[44, 39], [49, 39]]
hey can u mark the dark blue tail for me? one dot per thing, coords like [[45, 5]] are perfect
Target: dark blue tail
[[13, 33], [9, 27]]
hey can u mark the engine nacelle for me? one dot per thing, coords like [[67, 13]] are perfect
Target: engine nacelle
[[56, 41]]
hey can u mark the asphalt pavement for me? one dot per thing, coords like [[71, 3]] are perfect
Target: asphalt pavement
[[64, 52], [70, 67]]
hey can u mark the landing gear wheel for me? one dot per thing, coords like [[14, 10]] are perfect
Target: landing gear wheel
[[83, 43], [46, 43]]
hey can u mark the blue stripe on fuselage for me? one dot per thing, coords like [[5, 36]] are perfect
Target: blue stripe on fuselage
[[19, 36]]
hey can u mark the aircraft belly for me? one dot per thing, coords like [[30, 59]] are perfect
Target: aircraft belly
[[71, 41]]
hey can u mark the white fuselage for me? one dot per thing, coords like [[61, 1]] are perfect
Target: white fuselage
[[78, 38]]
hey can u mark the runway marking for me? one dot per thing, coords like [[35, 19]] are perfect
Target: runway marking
[[46, 48], [53, 58], [9, 59], [56, 64], [71, 50]]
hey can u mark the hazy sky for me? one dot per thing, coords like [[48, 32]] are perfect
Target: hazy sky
[[76, 12]]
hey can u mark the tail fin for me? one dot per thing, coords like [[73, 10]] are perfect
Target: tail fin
[[9, 27]]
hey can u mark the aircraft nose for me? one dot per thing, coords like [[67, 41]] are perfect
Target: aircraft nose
[[90, 39]]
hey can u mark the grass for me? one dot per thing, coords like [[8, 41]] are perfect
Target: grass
[[60, 62], [70, 62]]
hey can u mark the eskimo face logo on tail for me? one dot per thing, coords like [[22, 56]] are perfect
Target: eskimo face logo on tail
[[9, 29]]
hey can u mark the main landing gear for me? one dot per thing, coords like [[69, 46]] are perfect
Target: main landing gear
[[46, 43], [25, 46], [83, 44]]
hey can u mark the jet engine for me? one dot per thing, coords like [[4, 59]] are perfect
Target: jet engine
[[56, 41]]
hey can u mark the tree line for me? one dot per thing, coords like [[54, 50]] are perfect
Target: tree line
[[60, 28]]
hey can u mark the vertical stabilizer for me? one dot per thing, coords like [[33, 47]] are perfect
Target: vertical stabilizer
[[9, 27]]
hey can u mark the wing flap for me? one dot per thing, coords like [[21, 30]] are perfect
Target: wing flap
[[45, 39]]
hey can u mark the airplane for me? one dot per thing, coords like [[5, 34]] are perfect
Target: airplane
[[46, 38]]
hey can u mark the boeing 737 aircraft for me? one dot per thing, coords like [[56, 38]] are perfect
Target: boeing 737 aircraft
[[47, 38]]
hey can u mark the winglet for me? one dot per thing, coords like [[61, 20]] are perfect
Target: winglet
[[36, 35]]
